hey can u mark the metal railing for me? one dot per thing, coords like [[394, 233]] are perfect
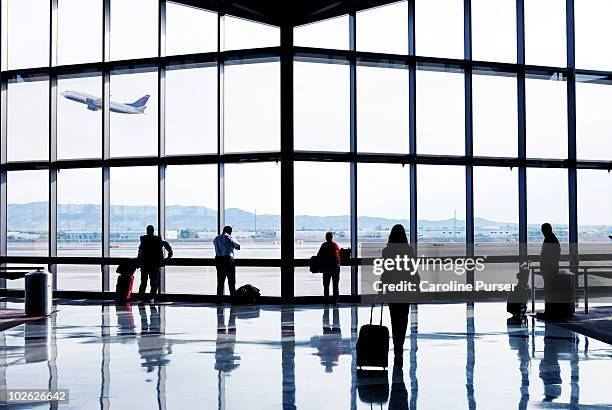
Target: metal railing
[[602, 271]]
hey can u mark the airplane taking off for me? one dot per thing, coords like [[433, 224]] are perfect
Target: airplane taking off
[[95, 104]]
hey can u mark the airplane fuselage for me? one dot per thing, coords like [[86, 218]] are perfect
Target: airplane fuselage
[[95, 104]]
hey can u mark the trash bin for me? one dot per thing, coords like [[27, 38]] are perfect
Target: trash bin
[[38, 293]]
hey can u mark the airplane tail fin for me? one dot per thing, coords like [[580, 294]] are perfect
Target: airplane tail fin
[[141, 102]]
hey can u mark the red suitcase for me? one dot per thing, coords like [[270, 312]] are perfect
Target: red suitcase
[[123, 290]]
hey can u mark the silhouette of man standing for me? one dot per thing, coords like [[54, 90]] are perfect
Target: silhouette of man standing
[[224, 261], [151, 258]]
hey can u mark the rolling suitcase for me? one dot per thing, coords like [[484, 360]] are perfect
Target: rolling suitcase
[[373, 344], [125, 281], [517, 299], [560, 303]]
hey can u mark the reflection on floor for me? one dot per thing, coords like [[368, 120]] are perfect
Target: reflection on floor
[[176, 356]]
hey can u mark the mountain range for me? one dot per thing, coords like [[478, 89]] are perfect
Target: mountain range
[[83, 217]]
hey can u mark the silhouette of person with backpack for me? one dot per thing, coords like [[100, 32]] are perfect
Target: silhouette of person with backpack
[[151, 259]]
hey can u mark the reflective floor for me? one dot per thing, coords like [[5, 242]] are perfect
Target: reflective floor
[[178, 356]]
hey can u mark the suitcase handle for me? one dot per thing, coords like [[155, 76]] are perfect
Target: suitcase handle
[[381, 312]]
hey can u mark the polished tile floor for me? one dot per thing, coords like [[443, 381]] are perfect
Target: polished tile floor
[[179, 356]]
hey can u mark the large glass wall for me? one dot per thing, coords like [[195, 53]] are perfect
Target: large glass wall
[[199, 132]]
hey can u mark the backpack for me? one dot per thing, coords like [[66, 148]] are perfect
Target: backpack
[[246, 295]]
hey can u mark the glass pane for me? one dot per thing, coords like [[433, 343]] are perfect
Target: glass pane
[[440, 111], [593, 120], [252, 208], [79, 277], [79, 116], [28, 118], [190, 29], [593, 29], [79, 212], [241, 33], [191, 209], [133, 199], [545, 40], [134, 29], [546, 104], [382, 109], [308, 284], [79, 31], [26, 38], [252, 107], [495, 113], [200, 280], [383, 200], [322, 204], [496, 211], [494, 30], [27, 219], [441, 208], [321, 107], [383, 29], [133, 121], [191, 109], [547, 201], [439, 28], [332, 33], [594, 210]]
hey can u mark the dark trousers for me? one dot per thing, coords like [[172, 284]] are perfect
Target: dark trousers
[[399, 324], [225, 269], [151, 274], [331, 273]]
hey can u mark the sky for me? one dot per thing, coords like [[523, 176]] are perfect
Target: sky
[[252, 108]]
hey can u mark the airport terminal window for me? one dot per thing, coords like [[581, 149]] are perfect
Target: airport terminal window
[[242, 34], [26, 39], [191, 209], [133, 117], [190, 29], [28, 118], [252, 208], [494, 30], [383, 29], [382, 109], [545, 36], [322, 203], [27, 215], [191, 109], [321, 106], [546, 117], [79, 277], [79, 212], [79, 31], [439, 28], [440, 112], [79, 115], [198, 280], [593, 121], [547, 201], [332, 33], [252, 106], [134, 29], [494, 114], [441, 209], [496, 207], [383, 200], [133, 202], [592, 22], [594, 210]]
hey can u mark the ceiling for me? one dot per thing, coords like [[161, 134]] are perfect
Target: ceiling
[[285, 12]]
